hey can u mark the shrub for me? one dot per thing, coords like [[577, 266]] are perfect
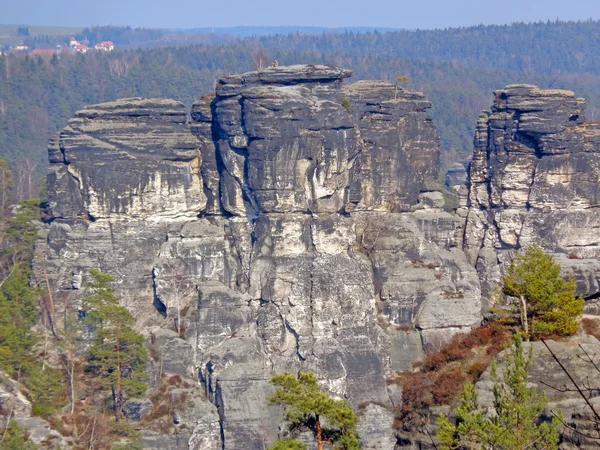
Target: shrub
[[443, 374], [346, 104], [591, 327], [448, 384]]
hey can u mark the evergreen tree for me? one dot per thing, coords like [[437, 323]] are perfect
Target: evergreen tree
[[547, 303], [332, 422], [288, 444], [117, 355], [516, 422], [18, 300], [6, 185], [17, 238], [15, 439], [19, 313]]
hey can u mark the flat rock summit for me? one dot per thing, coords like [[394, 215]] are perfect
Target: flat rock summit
[[293, 221]]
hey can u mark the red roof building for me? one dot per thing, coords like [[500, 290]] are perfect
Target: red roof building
[[107, 46]]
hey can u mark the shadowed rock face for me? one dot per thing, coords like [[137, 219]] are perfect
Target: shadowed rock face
[[534, 179], [294, 224]]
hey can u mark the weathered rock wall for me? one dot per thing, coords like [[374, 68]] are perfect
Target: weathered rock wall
[[534, 178], [293, 224]]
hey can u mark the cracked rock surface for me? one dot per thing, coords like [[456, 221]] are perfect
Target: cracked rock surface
[[294, 223], [534, 179]]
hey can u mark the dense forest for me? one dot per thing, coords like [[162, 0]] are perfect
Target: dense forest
[[456, 68]]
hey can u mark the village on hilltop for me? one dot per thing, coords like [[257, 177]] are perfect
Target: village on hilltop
[[74, 46]]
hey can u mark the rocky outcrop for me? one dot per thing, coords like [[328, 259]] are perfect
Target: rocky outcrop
[[534, 179], [293, 224], [122, 174], [329, 176]]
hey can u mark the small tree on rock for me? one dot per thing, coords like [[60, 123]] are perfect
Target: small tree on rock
[[402, 79], [517, 422], [546, 302], [288, 444], [333, 422]]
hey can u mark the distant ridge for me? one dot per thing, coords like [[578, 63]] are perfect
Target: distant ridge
[[247, 31]]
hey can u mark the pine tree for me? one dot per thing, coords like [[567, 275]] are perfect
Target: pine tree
[[17, 238], [547, 303], [117, 356], [14, 438], [18, 300], [288, 444], [6, 185], [517, 422], [332, 422]]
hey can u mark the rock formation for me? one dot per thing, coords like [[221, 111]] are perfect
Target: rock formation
[[294, 223], [534, 179]]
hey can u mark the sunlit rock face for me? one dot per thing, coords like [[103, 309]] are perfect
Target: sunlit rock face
[[534, 179], [292, 222]]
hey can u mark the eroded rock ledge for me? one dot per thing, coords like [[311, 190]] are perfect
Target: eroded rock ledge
[[295, 224], [535, 179]]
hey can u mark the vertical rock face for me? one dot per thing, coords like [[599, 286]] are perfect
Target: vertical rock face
[[133, 158], [534, 179], [397, 162], [294, 224], [122, 174]]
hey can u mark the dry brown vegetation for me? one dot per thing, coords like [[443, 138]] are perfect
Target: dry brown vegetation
[[440, 378], [162, 417], [591, 327]]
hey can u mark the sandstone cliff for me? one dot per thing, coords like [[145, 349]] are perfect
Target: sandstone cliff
[[294, 223], [534, 179]]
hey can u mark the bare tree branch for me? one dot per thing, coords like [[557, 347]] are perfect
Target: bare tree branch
[[564, 369]]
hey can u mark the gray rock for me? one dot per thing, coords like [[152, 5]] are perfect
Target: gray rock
[[14, 406], [153, 440], [294, 224], [135, 410], [533, 179], [195, 415], [375, 428], [456, 175], [175, 355]]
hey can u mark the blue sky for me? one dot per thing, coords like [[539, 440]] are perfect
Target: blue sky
[[409, 14]]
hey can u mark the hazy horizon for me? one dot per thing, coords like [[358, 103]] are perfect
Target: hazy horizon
[[427, 14]]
